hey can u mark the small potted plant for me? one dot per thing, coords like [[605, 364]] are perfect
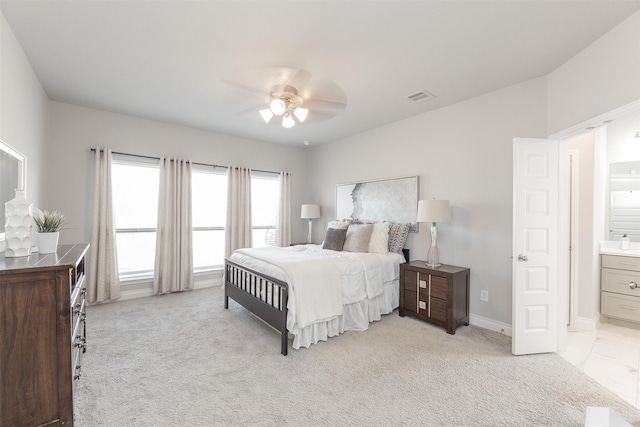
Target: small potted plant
[[48, 225]]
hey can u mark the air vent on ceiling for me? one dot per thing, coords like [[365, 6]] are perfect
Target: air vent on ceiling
[[419, 96]]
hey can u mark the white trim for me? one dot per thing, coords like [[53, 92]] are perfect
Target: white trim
[[597, 121], [574, 159], [490, 324], [585, 324]]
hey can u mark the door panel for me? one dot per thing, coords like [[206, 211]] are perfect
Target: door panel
[[535, 245]]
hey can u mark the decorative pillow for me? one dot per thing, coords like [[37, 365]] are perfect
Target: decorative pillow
[[379, 241], [398, 236], [357, 239], [334, 239]]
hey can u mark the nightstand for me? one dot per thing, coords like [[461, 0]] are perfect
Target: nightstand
[[437, 295]]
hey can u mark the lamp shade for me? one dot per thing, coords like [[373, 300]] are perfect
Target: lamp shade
[[310, 211], [434, 211]]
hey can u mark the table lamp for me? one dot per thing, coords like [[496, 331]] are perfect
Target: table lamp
[[433, 211], [310, 212]]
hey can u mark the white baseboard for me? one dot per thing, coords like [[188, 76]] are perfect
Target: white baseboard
[[584, 324], [144, 288], [492, 325]]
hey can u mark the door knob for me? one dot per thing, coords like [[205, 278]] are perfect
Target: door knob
[[523, 258]]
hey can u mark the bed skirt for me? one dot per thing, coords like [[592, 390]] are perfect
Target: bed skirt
[[355, 317]]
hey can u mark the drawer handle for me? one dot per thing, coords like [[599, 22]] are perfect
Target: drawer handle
[[628, 307], [633, 285]]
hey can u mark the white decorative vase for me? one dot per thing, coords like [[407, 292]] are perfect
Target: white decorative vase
[[17, 226], [48, 242]]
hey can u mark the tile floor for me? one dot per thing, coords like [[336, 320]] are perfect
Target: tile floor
[[611, 356]]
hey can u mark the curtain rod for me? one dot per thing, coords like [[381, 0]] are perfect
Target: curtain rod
[[195, 163]]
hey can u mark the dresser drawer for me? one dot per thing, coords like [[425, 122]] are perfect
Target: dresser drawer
[[620, 306], [618, 281], [621, 262]]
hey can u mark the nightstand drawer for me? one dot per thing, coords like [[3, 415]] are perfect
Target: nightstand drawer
[[438, 309], [439, 286]]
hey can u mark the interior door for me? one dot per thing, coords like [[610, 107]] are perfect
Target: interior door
[[537, 293]]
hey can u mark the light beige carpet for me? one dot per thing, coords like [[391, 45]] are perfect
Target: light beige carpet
[[182, 360]]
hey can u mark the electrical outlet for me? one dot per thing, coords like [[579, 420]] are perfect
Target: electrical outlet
[[484, 295]]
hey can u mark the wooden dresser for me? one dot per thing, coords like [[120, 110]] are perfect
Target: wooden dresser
[[620, 287], [437, 295], [42, 335]]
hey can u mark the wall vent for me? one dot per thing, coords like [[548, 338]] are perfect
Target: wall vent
[[419, 96]]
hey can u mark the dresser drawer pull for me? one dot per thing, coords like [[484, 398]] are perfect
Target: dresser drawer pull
[[628, 307], [633, 285]]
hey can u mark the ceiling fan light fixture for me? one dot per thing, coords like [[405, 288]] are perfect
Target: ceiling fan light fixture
[[278, 107], [301, 113], [266, 115], [287, 121]]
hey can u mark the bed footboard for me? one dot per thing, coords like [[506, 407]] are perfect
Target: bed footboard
[[262, 295]]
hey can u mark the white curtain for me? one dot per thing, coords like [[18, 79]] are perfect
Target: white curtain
[[104, 283], [173, 269], [238, 232], [283, 223]]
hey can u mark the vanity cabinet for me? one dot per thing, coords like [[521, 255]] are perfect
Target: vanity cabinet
[[620, 287], [42, 335]]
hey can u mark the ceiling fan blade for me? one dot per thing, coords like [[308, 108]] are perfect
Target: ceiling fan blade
[[244, 87], [299, 79], [323, 103], [255, 109]]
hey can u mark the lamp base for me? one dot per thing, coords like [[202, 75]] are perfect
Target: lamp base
[[433, 257], [310, 234]]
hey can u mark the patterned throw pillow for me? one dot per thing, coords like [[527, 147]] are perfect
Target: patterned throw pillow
[[398, 237], [379, 241]]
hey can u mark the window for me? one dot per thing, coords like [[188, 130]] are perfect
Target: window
[[265, 190], [209, 211], [135, 203]]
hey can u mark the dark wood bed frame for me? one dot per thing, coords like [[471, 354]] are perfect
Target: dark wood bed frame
[[262, 295]]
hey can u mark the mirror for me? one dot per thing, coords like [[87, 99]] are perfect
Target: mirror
[[13, 172], [624, 191]]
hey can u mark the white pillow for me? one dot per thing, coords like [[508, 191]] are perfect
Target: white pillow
[[379, 241]]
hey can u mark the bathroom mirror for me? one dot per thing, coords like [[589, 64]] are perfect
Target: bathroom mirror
[[13, 172], [624, 191]]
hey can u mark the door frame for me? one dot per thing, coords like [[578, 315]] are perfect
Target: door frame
[[564, 135], [574, 200]]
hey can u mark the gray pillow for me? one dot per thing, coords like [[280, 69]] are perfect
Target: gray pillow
[[334, 239]]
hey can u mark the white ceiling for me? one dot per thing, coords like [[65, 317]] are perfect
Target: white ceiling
[[169, 60]]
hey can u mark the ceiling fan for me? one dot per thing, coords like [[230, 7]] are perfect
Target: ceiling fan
[[293, 95]]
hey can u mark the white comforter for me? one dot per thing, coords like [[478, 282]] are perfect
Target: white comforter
[[321, 281]]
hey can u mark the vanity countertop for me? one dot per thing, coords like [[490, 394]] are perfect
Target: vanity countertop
[[613, 248]]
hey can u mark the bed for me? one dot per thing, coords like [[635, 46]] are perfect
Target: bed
[[314, 292]]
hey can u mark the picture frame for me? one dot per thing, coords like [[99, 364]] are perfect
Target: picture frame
[[393, 200], [13, 176]]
